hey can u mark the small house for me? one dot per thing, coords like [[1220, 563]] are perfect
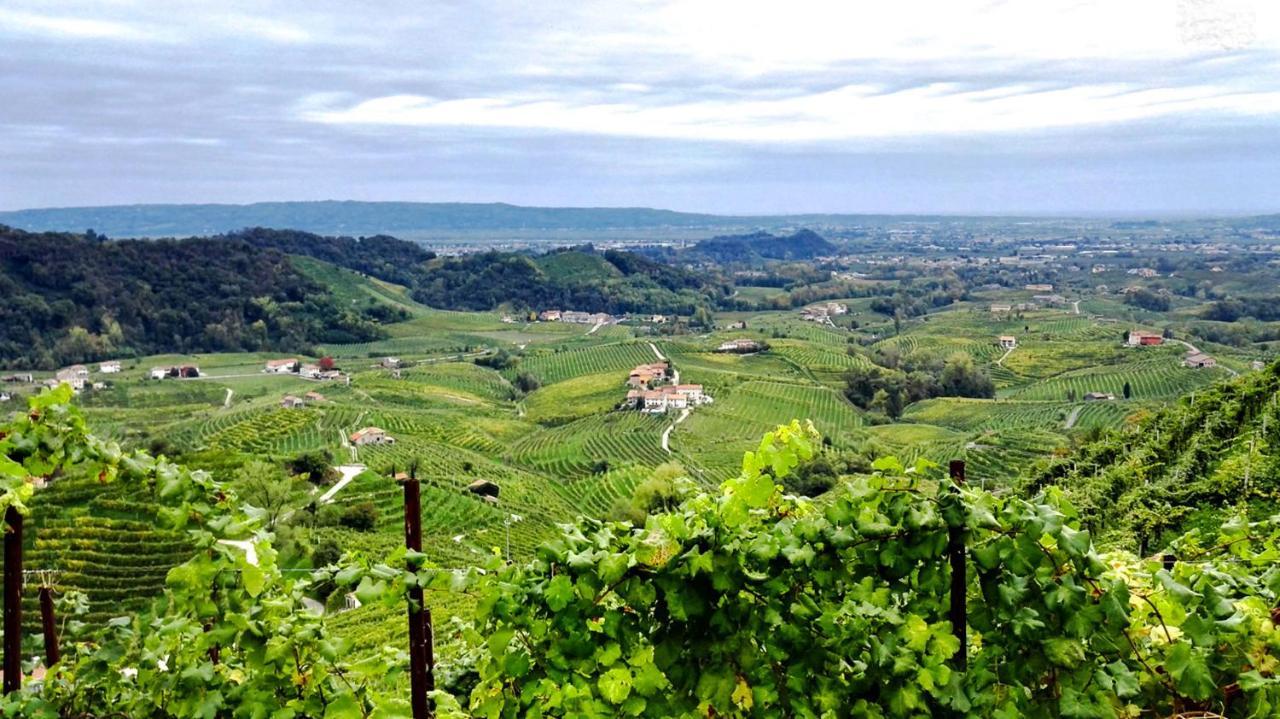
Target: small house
[[1199, 360], [1008, 342], [314, 396], [390, 362], [485, 489], [549, 316], [159, 372], [739, 345], [21, 378], [5, 396], [187, 371], [1098, 396], [1001, 308], [291, 402], [310, 371], [1140, 338], [739, 325], [692, 392], [281, 366], [109, 367], [371, 435]]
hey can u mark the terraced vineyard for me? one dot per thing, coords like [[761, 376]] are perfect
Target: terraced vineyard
[[552, 366], [562, 449], [1158, 378]]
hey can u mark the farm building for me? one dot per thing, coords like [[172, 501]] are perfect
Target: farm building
[[109, 367], [291, 402], [1098, 396], [160, 372], [22, 378], [186, 371], [739, 325], [1008, 342], [390, 362], [485, 489], [1199, 360], [310, 370], [1257, 364], [1038, 287], [739, 345], [280, 366], [643, 374], [1001, 308], [314, 396], [5, 396], [371, 435], [71, 376], [549, 315], [1140, 338]]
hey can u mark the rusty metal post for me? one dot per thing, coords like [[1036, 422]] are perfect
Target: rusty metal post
[[421, 653], [959, 578], [49, 623], [12, 601]]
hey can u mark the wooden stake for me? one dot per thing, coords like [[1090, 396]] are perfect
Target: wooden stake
[[52, 653], [959, 579], [421, 652], [13, 601]]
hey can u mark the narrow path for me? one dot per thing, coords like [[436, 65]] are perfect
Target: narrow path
[[1071, 418], [1000, 362], [595, 327], [227, 402], [654, 347], [1075, 306], [348, 472], [666, 435]]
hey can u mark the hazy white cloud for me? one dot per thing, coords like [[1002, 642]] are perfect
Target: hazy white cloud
[[708, 101]]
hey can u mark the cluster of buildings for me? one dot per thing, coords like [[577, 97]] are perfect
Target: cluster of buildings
[[823, 312], [292, 402], [650, 390], [1143, 272], [186, 371], [1019, 307], [740, 346], [575, 317], [295, 366]]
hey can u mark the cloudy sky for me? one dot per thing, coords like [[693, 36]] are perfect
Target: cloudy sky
[[964, 106]]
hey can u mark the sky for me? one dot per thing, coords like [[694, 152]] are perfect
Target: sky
[[1163, 107]]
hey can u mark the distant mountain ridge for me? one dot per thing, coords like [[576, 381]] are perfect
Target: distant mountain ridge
[[348, 217], [344, 218]]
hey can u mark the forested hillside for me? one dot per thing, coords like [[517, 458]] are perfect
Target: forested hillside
[[1183, 467], [578, 279], [76, 298]]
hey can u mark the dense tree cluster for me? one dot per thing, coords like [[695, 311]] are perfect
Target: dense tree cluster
[[1266, 309], [381, 256], [895, 382], [72, 298], [486, 280]]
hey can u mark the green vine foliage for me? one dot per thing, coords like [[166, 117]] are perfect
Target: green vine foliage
[[740, 603], [753, 603], [229, 637]]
